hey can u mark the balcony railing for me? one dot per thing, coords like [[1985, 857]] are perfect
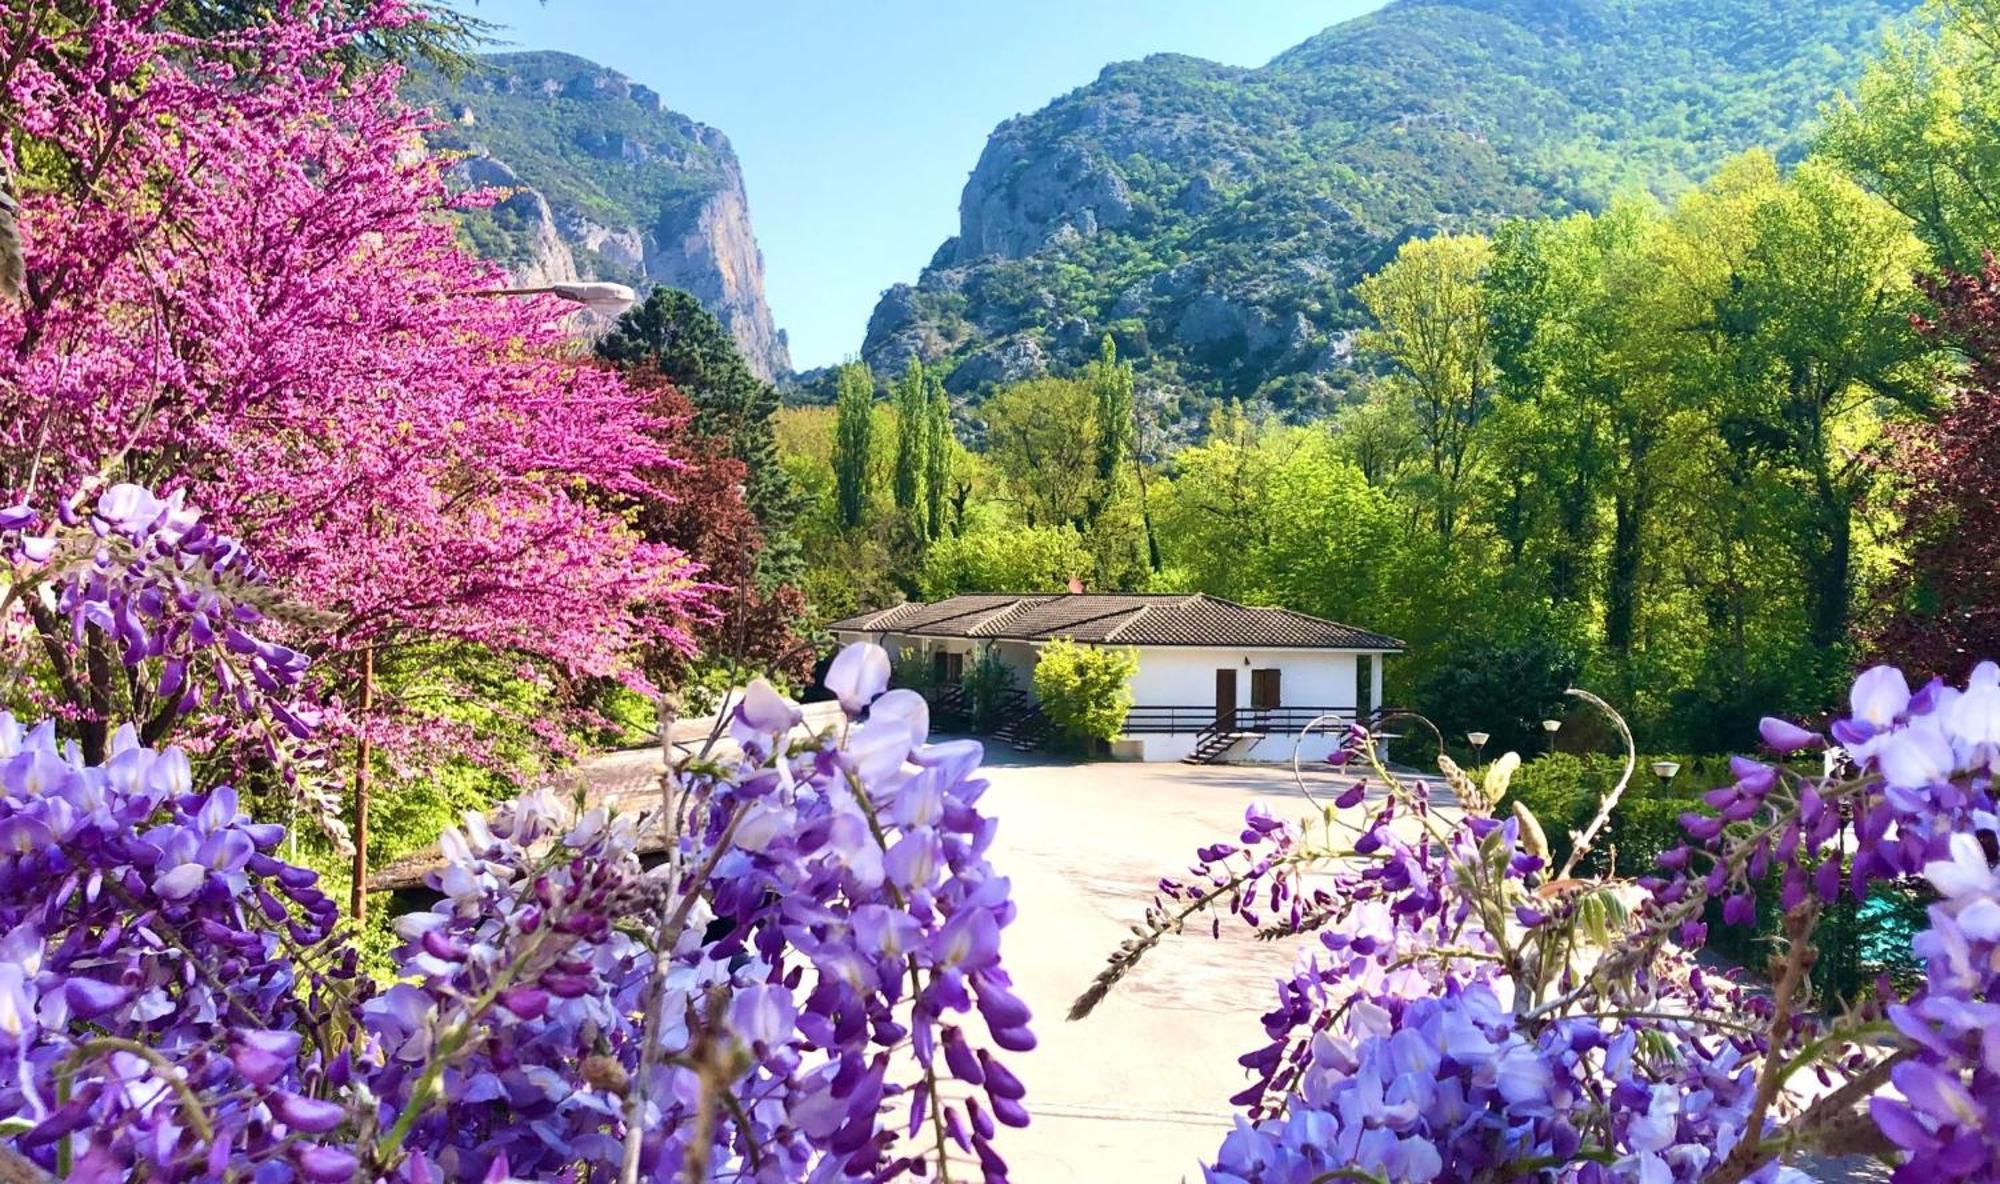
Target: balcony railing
[[1186, 719]]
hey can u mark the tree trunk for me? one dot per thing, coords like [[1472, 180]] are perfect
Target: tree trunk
[[1621, 592], [1146, 518], [1829, 573], [357, 900], [94, 733], [1574, 507]]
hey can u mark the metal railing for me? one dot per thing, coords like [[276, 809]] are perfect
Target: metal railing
[[1187, 719]]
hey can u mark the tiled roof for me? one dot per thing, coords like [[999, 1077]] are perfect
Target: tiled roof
[[949, 618], [1195, 619]]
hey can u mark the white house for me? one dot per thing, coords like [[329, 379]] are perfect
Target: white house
[[1216, 680]]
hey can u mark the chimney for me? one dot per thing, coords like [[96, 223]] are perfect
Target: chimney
[[1075, 586]]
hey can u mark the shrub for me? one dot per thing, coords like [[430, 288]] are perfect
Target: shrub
[[913, 671], [1563, 790], [1085, 690], [1503, 689]]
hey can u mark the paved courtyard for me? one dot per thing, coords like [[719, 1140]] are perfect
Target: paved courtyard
[[1139, 1091]]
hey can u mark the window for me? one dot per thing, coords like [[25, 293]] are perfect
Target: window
[[947, 667], [1264, 689], [1364, 685]]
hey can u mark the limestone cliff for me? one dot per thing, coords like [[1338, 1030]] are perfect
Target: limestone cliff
[[604, 182]]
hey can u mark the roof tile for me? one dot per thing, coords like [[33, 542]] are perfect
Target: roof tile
[[1179, 619]]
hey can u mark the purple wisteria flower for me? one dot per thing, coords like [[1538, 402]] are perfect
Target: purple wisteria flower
[[810, 988], [1460, 1015]]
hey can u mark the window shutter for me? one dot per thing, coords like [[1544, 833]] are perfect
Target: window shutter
[[1264, 692]]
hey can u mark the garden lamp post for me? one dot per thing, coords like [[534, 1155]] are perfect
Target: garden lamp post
[[1552, 726], [605, 299], [1666, 770], [1478, 741]]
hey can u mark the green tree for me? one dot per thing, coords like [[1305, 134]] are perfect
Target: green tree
[[1585, 399], [1281, 518], [909, 395], [1012, 559], [1429, 307], [940, 443], [1111, 382], [1922, 128], [853, 430], [671, 333], [1042, 435], [1377, 435], [1816, 325], [1085, 690]]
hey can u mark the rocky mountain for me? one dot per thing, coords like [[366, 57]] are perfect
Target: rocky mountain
[[1214, 219], [605, 183]]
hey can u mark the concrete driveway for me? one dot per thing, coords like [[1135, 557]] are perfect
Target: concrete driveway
[[1139, 1091]]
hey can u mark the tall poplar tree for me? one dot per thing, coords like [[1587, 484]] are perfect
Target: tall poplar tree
[[1111, 383], [938, 446], [853, 428], [912, 443]]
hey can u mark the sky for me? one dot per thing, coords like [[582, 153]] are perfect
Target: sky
[[857, 121]]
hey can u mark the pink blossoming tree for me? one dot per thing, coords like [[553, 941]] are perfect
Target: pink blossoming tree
[[241, 280]]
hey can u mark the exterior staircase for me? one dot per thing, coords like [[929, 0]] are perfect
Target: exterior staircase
[[1019, 721], [1215, 742], [949, 709]]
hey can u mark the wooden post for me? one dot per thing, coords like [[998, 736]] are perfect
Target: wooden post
[[357, 900]]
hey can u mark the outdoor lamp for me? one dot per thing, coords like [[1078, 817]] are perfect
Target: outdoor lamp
[[1478, 741], [1551, 726], [1666, 770], [605, 299]]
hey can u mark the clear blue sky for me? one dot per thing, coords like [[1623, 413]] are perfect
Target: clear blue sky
[[857, 121]]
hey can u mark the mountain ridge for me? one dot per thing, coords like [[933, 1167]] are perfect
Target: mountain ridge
[[1214, 218]]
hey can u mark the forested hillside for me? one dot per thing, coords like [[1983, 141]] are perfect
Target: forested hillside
[[1215, 219]]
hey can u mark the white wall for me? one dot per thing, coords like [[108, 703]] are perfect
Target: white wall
[[1185, 676]]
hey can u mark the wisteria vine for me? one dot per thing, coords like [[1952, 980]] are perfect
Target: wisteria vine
[[788, 971], [1464, 1011]]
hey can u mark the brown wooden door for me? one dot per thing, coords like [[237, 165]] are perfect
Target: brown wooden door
[[1225, 698]]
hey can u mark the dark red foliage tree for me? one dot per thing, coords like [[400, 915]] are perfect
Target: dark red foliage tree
[[704, 513], [1949, 611]]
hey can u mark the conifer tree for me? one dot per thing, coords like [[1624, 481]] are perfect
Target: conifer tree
[[671, 333], [853, 428]]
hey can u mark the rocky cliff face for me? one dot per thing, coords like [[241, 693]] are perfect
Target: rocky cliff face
[[603, 182], [1214, 220]]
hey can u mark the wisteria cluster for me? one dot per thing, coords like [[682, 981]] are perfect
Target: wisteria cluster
[[833, 935], [803, 987], [1466, 1012], [146, 615], [166, 591]]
